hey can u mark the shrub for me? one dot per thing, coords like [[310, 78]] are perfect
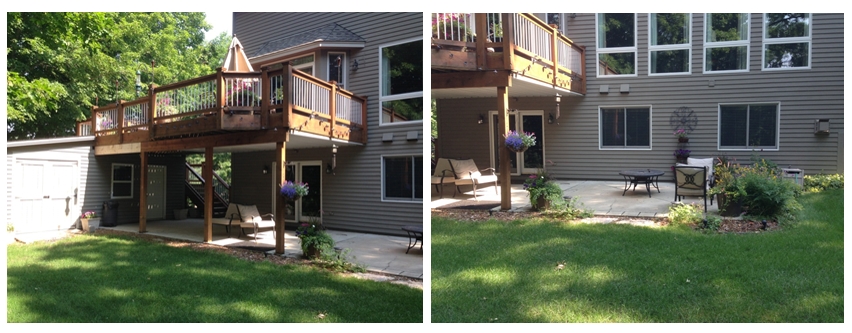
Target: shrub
[[685, 214], [766, 192], [712, 223], [817, 183], [567, 209]]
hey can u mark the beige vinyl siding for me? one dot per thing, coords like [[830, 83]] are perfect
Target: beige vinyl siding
[[804, 95], [353, 197]]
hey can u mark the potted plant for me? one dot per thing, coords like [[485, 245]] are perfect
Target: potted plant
[[10, 233], [543, 191], [681, 155], [294, 191], [519, 141], [681, 135], [452, 26], [727, 187], [90, 221], [314, 239]]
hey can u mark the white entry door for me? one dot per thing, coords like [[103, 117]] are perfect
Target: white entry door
[[156, 192], [45, 195]]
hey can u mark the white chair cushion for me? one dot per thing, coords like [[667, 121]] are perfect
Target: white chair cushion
[[708, 162], [464, 169], [248, 213]]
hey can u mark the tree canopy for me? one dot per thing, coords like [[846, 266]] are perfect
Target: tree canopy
[[61, 64]]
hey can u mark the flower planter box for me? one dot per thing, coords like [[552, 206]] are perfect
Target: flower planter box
[[90, 225]]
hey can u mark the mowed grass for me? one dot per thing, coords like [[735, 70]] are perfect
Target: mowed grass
[[103, 278], [497, 271]]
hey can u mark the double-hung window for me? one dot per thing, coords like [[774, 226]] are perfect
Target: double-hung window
[[748, 126], [726, 42], [625, 127], [401, 82], [786, 41], [122, 181], [668, 43], [616, 51], [402, 178]]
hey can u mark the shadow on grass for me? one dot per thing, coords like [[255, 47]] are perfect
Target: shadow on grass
[[509, 272], [114, 279]]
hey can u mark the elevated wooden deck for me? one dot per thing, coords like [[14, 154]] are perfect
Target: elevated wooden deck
[[285, 100], [467, 48]]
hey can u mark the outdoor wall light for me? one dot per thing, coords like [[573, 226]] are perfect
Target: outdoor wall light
[[481, 119], [557, 99], [355, 65], [265, 169], [330, 168]]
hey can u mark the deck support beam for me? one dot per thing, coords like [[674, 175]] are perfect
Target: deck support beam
[[280, 203], [207, 174], [143, 192], [504, 178]]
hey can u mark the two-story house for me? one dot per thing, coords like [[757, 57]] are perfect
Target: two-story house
[[740, 84], [334, 100]]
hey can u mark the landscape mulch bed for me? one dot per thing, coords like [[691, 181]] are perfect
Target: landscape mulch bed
[[729, 225]]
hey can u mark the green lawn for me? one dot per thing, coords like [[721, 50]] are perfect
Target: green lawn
[[497, 271], [120, 279]]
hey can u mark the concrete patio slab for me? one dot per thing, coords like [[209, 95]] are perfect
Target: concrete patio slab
[[605, 198]]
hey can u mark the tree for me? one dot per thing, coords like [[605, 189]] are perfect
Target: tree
[[61, 64]]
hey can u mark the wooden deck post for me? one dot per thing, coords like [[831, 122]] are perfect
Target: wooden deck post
[[332, 108], [207, 174], [508, 40], [119, 125], [481, 29], [143, 192], [280, 203], [264, 97], [505, 178], [286, 90], [152, 110]]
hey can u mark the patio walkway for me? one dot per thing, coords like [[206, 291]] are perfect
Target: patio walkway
[[379, 253], [603, 197]]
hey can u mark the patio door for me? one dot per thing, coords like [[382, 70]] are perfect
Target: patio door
[[308, 207], [529, 161]]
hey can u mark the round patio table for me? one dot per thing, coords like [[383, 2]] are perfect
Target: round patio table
[[648, 177]]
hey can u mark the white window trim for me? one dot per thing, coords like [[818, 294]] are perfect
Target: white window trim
[[714, 45], [384, 198], [112, 180], [787, 40], [396, 97], [650, 127], [608, 50], [672, 47], [301, 67], [777, 127], [344, 64]]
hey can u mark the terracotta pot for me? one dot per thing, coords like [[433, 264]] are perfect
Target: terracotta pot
[[681, 159], [313, 252]]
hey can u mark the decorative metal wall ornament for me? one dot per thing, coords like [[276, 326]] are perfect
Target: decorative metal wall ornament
[[683, 118]]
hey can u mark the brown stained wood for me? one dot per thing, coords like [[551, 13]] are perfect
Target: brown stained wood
[[207, 174], [454, 60], [505, 176], [280, 204], [126, 148], [193, 126], [226, 139], [471, 79], [241, 122]]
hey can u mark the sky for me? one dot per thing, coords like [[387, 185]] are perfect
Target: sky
[[221, 21]]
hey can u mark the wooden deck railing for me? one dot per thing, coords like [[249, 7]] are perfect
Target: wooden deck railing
[[514, 42], [283, 98]]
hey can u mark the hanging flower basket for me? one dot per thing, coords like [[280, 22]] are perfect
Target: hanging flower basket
[[293, 191], [519, 141], [683, 139]]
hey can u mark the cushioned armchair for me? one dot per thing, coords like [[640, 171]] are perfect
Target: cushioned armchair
[[467, 173], [443, 174], [251, 218], [691, 181]]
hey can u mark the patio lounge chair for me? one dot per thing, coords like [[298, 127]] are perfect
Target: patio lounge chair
[[231, 219], [443, 175], [467, 173], [691, 181], [251, 218]]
